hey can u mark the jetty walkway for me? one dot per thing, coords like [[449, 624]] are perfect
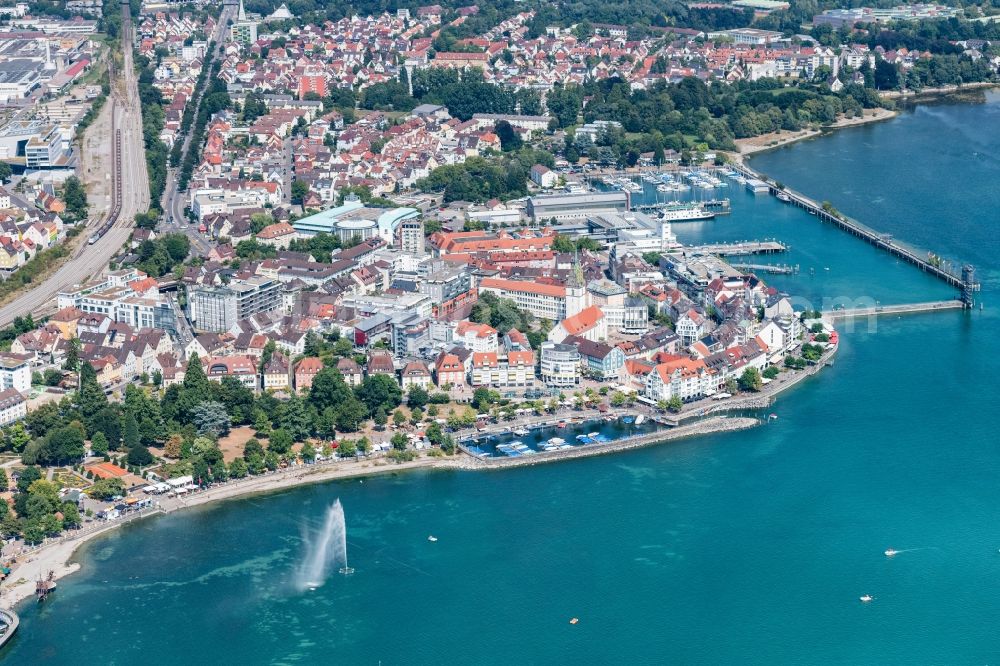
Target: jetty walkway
[[738, 249], [773, 269], [928, 264], [905, 308]]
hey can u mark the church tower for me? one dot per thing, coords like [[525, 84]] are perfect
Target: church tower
[[576, 289]]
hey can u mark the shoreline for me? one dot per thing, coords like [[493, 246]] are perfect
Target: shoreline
[[758, 144], [56, 555], [943, 91]]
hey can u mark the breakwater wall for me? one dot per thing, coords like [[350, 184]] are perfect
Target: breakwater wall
[[704, 427]]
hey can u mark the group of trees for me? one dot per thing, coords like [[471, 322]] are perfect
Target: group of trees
[[38, 512], [482, 178], [161, 255], [500, 313], [678, 116], [75, 198], [151, 102], [463, 92]]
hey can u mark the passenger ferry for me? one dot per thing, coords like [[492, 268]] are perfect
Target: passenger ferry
[[681, 212]]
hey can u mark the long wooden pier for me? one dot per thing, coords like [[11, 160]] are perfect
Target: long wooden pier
[[904, 308], [881, 241]]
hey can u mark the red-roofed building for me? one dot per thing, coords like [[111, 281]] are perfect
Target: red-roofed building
[[589, 324], [515, 370], [450, 369], [681, 377], [305, 370], [476, 337], [545, 301]]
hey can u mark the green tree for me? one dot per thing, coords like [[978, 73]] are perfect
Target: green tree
[[71, 515], [398, 418], [105, 489], [280, 442], [139, 456], [750, 380], [99, 443], [72, 362], [62, 445], [300, 189], [399, 441], [90, 399], [350, 414], [379, 390], [308, 452], [416, 397], [130, 436], [238, 468]]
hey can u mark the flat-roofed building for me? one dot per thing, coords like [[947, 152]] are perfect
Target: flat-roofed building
[[15, 372], [218, 309], [576, 206], [13, 406]]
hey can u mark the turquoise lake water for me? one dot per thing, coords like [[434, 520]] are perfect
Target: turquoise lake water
[[750, 547]]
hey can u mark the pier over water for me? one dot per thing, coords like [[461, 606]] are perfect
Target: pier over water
[[965, 282]]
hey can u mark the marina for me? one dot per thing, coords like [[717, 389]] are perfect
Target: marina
[[551, 437], [9, 621]]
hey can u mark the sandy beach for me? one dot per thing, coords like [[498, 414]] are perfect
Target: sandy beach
[[763, 142]]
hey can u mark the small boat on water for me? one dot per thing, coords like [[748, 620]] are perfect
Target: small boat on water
[[890, 552], [866, 598], [783, 197], [592, 435], [557, 441], [639, 419], [521, 432], [432, 538]]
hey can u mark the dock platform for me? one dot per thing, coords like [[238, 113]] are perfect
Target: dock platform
[[773, 269], [742, 248], [904, 308]]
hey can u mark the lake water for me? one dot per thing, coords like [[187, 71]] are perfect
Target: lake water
[[749, 547]]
